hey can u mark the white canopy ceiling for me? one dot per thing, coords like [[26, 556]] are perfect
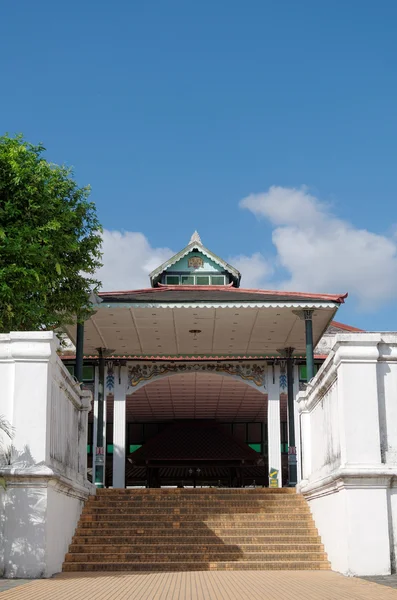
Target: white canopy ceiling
[[242, 330]]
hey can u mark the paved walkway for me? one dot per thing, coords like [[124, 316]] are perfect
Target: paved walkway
[[389, 580], [230, 585]]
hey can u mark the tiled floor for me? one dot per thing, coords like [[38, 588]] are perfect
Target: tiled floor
[[389, 580], [231, 585]]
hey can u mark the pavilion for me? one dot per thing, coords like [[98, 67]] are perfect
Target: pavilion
[[194, 379]]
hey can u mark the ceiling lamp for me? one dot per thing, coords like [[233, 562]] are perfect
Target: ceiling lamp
[[195, 333]]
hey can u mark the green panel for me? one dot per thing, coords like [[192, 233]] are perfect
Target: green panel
[[88, 372], [284, 447], [217, 280], [109, 448], [172, 279], [187, 280], [182, 265], [202, 280], [134, 447], [88, 449], [256, 447], [303, 372]]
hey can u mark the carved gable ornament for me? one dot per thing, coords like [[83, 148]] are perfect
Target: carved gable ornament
[[195, 262]]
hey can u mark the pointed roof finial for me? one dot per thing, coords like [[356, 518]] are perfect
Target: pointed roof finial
[[195, 238]]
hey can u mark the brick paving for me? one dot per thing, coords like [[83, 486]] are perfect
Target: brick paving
[[217, 585]]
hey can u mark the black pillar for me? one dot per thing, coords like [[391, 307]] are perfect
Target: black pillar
[[100, 450], [292, 465], [79, 351], [287, 354], [308, 314]]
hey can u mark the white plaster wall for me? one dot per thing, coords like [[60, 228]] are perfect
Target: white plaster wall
[[349, 439], [2, 526], [368, 531], [325, 437], [46, 474], [353, 524], [39, 522], [392, 515], [7, 378], [24, 531], [329, 513], [63, 513], [387, 394]]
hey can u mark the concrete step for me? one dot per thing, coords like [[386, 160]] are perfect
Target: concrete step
[[197, 566], [183, 547], [181, 537], [196, 510], [195, 499], [183, 532], [218, 555], [196, 527], [202, 529], [187, 518], [200, 509]]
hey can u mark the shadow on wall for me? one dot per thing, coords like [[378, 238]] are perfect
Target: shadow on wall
[[22, 518]]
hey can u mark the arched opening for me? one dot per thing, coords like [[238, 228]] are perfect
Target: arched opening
[[194, 429]]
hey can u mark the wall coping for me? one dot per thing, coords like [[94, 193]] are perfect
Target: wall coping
[[347, 348], [44, 476], [352, 477]]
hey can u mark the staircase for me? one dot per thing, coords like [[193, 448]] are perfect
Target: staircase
[[195, 530]]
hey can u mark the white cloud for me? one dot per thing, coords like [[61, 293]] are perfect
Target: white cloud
[[128, 258], [321, 252], [255, 270]]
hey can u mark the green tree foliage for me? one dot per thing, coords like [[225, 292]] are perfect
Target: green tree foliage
[[50, 241]]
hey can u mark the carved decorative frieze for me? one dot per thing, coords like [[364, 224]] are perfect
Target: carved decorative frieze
[[251, 372]]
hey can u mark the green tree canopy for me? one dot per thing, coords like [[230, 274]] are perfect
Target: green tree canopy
[[50, 240]]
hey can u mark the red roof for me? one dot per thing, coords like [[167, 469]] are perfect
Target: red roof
[[346, 327], [339, 298]]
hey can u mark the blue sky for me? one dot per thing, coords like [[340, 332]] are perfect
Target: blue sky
[[177, 111]]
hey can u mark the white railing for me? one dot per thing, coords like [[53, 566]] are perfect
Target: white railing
[[45, 406], [319, 417], [44, 468], [68, 421]]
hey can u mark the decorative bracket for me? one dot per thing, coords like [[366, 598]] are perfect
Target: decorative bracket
[[306, 314]]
